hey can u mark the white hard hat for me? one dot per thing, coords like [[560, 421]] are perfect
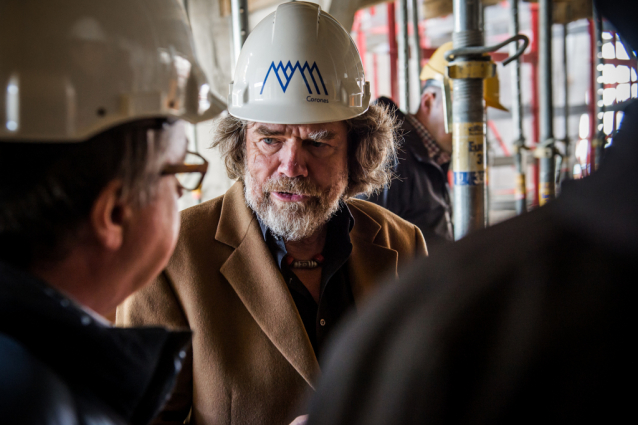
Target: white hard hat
[[70, 69], [298, 66]]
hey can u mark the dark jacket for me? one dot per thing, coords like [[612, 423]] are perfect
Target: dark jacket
[[59, 365], [420, 193], [528, 321]]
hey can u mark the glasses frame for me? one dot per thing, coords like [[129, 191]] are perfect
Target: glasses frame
[[172, 169]]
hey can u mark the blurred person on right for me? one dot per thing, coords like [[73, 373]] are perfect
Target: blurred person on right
[[526, 322]]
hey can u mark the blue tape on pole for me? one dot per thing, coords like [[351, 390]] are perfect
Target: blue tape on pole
[[469, 178]]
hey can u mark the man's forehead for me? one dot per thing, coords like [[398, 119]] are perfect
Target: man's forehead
[[298, 130]]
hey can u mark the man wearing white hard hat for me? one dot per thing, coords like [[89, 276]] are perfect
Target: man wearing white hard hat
[[92, 162], [420, 194], [264, 273]]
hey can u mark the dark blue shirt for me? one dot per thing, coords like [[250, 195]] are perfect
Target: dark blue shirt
[[335, 292]]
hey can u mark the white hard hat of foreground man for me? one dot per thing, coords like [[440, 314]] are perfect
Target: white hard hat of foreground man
[[91, 141], [265, 272]]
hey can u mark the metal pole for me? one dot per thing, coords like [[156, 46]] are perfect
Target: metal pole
[[468, 138], [392, 43], [404, 56], [239, 16], [486, 145], [566, 172], [593, 95], [597, 136], [535, 118], [520, 190], [546, 153], [416, 40]]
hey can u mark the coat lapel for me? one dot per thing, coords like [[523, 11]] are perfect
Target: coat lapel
[[370, 262], [252, 272]]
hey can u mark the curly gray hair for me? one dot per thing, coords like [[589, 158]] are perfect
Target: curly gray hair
[[372, 148]]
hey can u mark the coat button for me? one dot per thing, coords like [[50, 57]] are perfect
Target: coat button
[[322, 322]]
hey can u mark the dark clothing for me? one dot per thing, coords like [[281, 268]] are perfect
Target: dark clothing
[[420, 193], [61, 365], [336, 293], [526, 322]]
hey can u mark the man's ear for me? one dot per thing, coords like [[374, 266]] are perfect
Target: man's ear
[[108, 216], [427, 101]]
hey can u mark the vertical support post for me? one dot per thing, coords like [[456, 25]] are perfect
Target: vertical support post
[[486, 145], [547, 173], [239, 21], [416, 40], [520, 189], [468, 123], [597, 136], [566, 171], [375, 75], [392, 42], [361, 38], [535, 118], [404, 56]]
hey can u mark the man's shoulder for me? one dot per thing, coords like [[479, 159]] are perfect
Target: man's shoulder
[[30, 392], [385, 218], [208, 211]]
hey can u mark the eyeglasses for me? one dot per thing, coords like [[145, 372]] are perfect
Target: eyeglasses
[[191, 173]]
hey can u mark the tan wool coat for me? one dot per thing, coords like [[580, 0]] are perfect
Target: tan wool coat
[[252, 361]]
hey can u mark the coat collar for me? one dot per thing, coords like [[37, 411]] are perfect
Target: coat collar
[[370, 260], [256, 279]]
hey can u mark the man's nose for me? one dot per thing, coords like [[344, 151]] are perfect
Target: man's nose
[[292, 161]]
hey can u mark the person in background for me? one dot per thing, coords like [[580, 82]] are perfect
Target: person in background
[[420, 193], [525, 322], [88, 199], [264, 273]]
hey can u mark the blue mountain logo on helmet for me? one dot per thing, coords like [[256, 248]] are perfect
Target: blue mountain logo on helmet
[[288, 71]]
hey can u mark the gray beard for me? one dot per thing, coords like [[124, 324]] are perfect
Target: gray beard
[[293, 221]]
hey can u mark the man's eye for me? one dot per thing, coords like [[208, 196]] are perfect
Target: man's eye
[[268, 140], [317, 144]]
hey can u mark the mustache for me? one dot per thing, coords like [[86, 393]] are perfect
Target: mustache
[[296, 185]]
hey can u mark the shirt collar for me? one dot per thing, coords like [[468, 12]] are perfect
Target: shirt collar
[[434, 150]]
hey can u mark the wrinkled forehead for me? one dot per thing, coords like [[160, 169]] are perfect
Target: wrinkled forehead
[[330, 130]]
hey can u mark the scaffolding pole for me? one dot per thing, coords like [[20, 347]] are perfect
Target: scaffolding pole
[[520, 189], [239, 22], [535, 113], [416, 40], [597, 136], [565, 173], [404, 56], [545, 151], [468, 158], [392, 44]]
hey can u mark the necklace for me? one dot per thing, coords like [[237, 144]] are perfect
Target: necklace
[[316, 261]]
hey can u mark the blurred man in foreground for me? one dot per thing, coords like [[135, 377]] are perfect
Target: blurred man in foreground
[[89, 204], [526, 322], [264, 273]]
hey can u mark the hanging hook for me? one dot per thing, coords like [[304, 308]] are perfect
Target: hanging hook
[[481, 50]]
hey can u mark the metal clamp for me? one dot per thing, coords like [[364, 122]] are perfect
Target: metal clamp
[[546, 150], [472, 69], [481, 50]]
